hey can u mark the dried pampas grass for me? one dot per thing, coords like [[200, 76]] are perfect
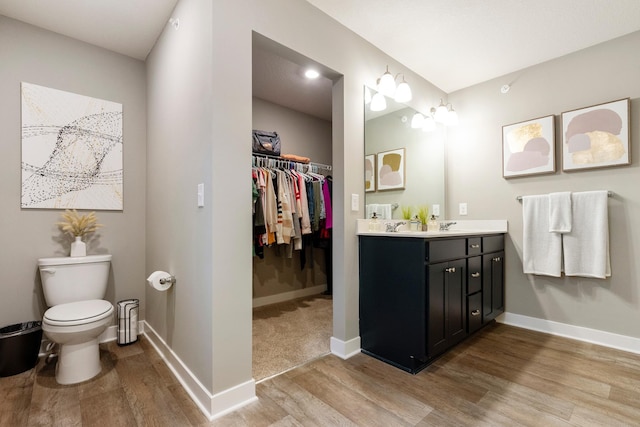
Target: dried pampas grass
[[78, 225]]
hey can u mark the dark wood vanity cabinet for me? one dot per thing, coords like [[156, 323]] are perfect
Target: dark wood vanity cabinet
[[419, 297]]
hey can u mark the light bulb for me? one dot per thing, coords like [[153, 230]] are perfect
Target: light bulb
[[452, 118], [378, 103], [440, 113], [311, 74], [417, 121], [403, 92], [387, 84]]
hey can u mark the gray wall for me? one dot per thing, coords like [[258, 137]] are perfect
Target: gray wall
[[40, 57], [200, 113], [599, 74], [307, 136], [180, 235]]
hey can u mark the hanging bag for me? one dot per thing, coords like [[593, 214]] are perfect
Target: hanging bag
[[266, 142]]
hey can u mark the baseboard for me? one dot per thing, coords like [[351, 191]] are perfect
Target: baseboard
[[288, 296], [345, 349], [594, 336], [211, 405]]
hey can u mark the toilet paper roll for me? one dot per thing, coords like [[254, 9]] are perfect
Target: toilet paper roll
[[154, 280]]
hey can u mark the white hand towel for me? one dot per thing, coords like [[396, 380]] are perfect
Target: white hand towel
[[586, 247], [541, 250], [560, 212], [384, 210]]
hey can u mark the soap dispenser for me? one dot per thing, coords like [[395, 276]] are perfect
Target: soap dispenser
[[415, 224], [432, 224], [373, 223]]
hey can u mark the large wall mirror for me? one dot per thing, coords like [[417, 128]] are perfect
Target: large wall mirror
[[409, 161]]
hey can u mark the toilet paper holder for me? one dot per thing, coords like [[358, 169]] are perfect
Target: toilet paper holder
[[170, 279]]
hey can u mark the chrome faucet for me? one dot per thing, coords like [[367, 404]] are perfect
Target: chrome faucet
[[444, 226], [393, 228]]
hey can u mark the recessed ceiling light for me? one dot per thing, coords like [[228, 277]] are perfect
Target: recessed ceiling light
[[311, 74]]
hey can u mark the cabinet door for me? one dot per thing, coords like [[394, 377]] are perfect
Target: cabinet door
[[446, 305], [492, 285]]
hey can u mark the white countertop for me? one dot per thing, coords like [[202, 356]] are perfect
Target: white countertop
[[460, 228]]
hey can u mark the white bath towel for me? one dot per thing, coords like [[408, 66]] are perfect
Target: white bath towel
[[541, 250], [560, 212], [586, 247], [382, 210]]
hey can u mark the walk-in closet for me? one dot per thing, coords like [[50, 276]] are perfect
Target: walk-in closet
[[292, 227]]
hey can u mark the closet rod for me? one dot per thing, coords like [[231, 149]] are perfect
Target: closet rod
[[609, 194], [268, 156]]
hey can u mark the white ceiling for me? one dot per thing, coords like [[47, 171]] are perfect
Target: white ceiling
[[458, 43], [130, 27], [452, 43]]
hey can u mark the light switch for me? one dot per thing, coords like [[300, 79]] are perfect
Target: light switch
[[200, 195], [463, 208], [355, 202], [435, 210]]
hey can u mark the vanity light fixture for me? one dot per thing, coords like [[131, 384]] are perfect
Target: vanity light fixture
[[387, 85]]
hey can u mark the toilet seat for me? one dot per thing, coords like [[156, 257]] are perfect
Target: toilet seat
[[78, 313]]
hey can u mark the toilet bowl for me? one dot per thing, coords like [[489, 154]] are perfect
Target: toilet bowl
[[75, 326], [73, 288]]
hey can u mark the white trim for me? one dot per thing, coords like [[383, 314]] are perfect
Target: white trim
[[212, 406], [288, 296], [594, 336], [345, 349]]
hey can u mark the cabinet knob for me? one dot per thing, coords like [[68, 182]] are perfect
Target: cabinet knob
[[475, 275], [475, 313], [496, 259], [450, 270], [475, 246]]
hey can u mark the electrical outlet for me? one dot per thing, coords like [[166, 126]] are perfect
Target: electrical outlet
[[463, 209], [355, 202], [435, 210]]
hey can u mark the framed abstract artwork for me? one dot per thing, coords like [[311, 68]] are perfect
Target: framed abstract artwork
[[369, 173], [390, 170], [528, 148], [71, 151], [597, 136]]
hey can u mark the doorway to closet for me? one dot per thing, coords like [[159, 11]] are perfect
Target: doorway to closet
[[292, 283]]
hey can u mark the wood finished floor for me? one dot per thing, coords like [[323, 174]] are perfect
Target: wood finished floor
[[503, 376]]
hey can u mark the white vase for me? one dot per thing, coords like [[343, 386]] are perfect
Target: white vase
[[78, 247]]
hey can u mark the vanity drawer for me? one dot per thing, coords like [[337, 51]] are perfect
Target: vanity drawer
[[474, 274], [474, 317], [474, 246], [442, 250], [492, 243]]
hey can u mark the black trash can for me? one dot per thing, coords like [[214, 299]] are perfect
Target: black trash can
[[19, 347]]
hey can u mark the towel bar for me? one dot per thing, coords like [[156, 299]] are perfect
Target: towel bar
[[609, 194]]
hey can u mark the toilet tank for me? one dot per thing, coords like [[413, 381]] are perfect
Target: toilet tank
[[70, 279]]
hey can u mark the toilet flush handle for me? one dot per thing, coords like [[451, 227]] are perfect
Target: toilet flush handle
[[48, 270]]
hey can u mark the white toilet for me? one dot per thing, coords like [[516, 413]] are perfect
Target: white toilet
[[73, 288]]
